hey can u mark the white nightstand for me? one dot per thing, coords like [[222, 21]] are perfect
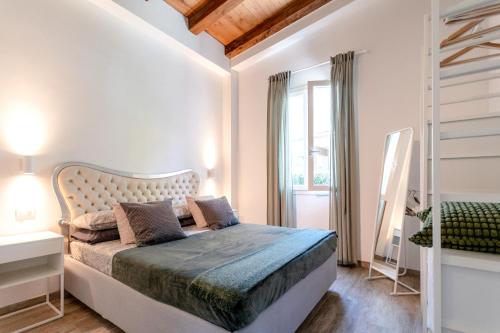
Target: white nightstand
[[30, 257]]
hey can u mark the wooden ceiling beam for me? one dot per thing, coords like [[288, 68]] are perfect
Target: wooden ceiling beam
[[294, 11], [179, 5], [209, 13]]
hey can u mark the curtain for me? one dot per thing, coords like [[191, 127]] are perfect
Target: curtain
[[342, 156], [280, 207]]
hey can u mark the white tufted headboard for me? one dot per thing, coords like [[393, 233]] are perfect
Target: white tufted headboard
[[83, 188]]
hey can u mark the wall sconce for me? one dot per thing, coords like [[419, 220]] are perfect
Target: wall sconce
[[211, 173], [210, 161], [27, 165], [26, 210]]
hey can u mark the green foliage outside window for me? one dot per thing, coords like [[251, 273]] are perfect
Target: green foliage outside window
[[319, 179]]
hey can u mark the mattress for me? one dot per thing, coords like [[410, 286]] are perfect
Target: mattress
[[100, 256]]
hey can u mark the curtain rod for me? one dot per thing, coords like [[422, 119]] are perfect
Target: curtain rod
[[326, 62]]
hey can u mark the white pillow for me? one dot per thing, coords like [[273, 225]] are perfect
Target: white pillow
[[181, 210], [196, 211], [101, 220]]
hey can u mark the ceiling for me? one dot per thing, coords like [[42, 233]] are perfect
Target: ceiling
[[241, 24]]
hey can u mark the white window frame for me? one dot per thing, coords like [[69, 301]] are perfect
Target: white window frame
[[302, 90], [309, 149], [310, 132]]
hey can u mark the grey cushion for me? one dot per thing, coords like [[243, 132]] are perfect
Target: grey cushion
[[153, 223], [95, 236], [217, 212], [187, 221]]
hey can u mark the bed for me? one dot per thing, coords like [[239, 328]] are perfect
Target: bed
[[244, 278]]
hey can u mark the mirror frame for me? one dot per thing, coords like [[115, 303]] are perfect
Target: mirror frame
[[385, 270]]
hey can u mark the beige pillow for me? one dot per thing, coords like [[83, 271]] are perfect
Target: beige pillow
[[196, 211], [101, 220], [127, 235]]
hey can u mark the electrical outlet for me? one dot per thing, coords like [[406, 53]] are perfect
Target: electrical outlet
[[25, 215]]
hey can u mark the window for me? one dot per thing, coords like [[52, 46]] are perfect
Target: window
[[310, 110]]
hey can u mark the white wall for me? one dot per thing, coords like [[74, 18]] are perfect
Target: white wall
[[157, 17], [311, 209], [388, 94], [80, 84]]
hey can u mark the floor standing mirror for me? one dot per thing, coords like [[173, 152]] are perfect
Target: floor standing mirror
[[390, 215]]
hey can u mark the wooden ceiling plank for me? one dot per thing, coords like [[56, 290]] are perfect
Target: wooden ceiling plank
[[225, 31], [252, 14], [286, 16], [209, 13]]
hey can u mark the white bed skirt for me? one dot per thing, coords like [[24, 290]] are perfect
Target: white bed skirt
[[135, 312]]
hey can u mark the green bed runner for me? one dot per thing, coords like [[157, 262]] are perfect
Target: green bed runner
[[469, 226], [227, 277]]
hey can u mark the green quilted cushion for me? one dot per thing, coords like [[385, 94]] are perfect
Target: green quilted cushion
[[468, 226]]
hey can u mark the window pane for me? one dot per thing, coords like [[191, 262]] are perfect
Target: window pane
[[298, 137], [321, 170], [321, 134]]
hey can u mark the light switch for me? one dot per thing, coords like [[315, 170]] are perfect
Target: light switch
[[25, 215]]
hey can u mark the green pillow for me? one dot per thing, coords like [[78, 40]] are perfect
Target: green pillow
[[468, 226]]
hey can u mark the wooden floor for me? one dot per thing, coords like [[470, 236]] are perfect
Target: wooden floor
[[352, 305], [357, 305]]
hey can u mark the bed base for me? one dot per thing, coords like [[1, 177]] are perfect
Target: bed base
[[135, 312]]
